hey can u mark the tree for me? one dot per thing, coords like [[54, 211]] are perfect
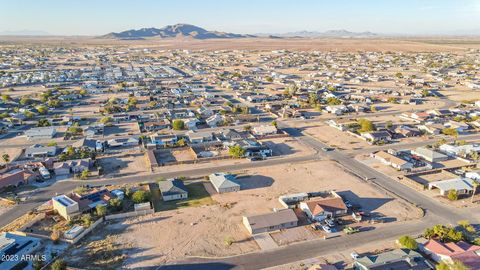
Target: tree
[[475, 185], [43, 123], [333, 101], [59, 265], [37, 264], [425, 93], [6, 98], [181, 142], [84, 174], [55, 236], [52, 144], [140, 196], [366, 125], [456, 265], [86, 219], [26, 101], [408, 242], [6, 158], [70, 151], [105, 119], [274, 123], [450, 132], [178, 125], [236, 151], [115, 203], [42, 109], [101, 210], [452, 195]]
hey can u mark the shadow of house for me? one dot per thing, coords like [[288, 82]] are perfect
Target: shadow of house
[[253, 182], [366, 204]]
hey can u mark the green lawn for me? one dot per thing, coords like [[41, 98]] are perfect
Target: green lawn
[[197, 196]]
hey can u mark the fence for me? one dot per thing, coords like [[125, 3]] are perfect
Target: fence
[[130, 214], [88, 230]]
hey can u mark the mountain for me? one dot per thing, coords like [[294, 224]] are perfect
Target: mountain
[[24, 33], [173, 31], [329, 33]]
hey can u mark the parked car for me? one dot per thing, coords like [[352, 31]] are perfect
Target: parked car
[[316, 226], [326, 229], [354, 255], [330, 222]]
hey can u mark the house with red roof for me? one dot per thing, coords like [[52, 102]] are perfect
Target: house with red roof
[[461, 251], [324, 208]]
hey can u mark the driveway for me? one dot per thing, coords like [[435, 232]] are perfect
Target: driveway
[[265, 241]]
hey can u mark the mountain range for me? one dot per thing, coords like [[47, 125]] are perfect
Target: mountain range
[[172, 31], [329, 33]]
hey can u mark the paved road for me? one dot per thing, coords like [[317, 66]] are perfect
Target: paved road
[[435, 213], [304, 250], [44, 194]]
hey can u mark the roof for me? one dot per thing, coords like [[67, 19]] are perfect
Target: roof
[[40, 131], [397, 259], [85, 143], [172, 187], [222, 180], [328, 205], [272, 219], [40, 150], [265, 129], [455, 184], [390, 158], [429, 153]]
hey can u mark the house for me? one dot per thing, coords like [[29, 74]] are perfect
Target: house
[[429, 154], [89, 200], [214, 120], [323, 208], [461, 185], [433, 129], [36, 150], [264, 130], [72, 166], [12, 177], [173, 189], [396, 259], [460, 127], [224, 182], [377, 136], [65, 206], [199, 137], [459, 150], [86, 144], [461, 251], [164, 140], [155, 125], [394, 161], [123, 142], [255, 149], [262, 223], [18, 247], [231, 135], [40, 133]]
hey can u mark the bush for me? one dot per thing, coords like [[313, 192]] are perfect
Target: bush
[[178, 125], [452, 195], [101, 210], [87, 220], [59, 265], [140, 196], [408, 242], [55, 236], [236, 151]]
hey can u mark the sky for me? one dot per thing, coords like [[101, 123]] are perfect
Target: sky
[[97, 17]]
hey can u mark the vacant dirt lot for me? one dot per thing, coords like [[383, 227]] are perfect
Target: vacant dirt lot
[[124, 164], [203, 231]]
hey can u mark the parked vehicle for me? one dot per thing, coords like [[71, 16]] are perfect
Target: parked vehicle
[[354, 255], [326, 229], [350, 230], [330, 222]]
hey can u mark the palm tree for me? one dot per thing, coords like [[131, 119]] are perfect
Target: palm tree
[[475, 185]]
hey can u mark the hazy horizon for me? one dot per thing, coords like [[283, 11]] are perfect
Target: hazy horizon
[[91, 18]]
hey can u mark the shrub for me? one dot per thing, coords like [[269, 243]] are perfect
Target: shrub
[[59, 265], [408, 242], [140, 196]]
